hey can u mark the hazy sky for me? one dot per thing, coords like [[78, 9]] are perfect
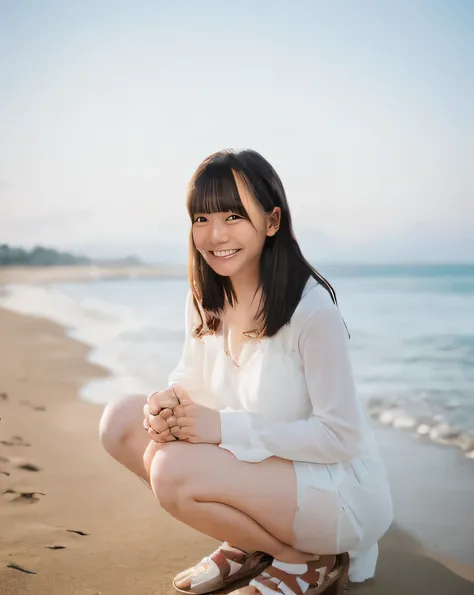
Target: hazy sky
[[107, 107]]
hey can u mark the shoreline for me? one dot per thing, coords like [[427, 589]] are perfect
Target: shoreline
[[128, 544], [68, 274], [132, 546]]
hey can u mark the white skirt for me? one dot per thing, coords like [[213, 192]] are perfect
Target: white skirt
[[344, 507]]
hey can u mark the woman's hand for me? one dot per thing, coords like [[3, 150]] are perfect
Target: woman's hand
[[157, 411], [172, 414], [163, 399], [194, 423]]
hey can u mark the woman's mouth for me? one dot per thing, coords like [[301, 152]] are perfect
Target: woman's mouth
[[224, 253]]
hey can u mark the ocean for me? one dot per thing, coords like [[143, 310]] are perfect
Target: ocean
[[412, 338]]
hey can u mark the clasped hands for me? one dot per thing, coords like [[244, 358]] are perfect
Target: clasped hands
[[171, 415]]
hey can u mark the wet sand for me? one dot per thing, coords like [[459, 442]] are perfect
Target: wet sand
[[85, 526], [63, 274]]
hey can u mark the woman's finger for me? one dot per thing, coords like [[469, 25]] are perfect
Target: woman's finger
[[152, 404], [165, 413], [182, 433], [179, 411], [168, 436], [161, 400], [153, 435], [172, 422], [162, 437], [158, 424], [186, 422]]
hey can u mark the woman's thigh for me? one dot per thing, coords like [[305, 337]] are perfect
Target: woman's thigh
[[264, 491]]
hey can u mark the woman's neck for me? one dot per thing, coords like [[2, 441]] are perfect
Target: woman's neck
[[246, 287]]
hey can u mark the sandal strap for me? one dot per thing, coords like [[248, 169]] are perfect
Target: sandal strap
[[314, 576], [222, 556], [235, 556], [221, 562]]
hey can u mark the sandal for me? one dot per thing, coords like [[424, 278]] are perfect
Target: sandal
[[223, 567], [327, 574]]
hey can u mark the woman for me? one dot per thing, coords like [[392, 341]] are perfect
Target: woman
[[260, 440]]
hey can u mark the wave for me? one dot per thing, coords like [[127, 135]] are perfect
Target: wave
[[118, 335], [432, 426]]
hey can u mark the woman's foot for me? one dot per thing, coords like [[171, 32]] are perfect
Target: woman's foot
[[221, 568], [327, 574]]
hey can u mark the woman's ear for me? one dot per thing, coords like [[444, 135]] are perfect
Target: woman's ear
[[273, 224]]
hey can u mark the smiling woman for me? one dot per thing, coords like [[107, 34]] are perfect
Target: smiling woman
[[236, 202], [275, 457]]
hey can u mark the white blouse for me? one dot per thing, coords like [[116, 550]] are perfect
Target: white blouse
[[292, 395]]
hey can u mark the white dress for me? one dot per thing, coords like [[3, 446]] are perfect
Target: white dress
[[293, 396]]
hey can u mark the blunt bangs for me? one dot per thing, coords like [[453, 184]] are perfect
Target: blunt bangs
[[215, 191]]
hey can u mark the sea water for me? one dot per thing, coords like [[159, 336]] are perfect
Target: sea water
[[412, 338]]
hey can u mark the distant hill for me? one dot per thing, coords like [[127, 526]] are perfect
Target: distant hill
[[41, 256], [418, 243]]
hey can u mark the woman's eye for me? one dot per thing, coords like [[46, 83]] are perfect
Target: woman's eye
[[199, 219], [233, 217]]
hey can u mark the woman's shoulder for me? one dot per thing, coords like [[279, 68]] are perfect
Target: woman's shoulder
[[314, 297]]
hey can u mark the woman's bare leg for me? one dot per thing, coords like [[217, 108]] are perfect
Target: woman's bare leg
[[122, 433], [250, 505], [123, 437]]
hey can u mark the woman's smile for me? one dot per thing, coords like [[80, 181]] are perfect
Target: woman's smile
[[224, 254]]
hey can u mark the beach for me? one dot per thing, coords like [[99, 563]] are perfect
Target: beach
[[73, 521]]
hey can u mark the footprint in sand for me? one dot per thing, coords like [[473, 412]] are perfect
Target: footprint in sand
[[78, 532], [19, 463], [30, 497], [16, 566], [3, 397], [31, 406], [14, 441], [29, 467]]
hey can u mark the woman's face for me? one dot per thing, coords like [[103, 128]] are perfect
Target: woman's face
[[231, 244]]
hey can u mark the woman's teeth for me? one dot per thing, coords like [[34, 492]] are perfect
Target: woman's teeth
[[222, 253]]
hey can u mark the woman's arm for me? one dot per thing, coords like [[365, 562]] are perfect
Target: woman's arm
[[333, 433], [189, 371]]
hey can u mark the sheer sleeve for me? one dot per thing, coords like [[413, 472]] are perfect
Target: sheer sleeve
[[189, 371], [334, 430]]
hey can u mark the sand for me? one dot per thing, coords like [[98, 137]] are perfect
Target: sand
[[115, 539], [62, 274]]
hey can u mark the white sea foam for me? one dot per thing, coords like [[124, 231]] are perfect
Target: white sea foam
[[114, 333]]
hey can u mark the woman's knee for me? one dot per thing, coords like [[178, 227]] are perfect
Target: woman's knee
[[120, 419], [168, 473]]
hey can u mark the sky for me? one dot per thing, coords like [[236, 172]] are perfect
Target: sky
[[364, 109]]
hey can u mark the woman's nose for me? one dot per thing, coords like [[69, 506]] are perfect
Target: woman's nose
[[219, 233]]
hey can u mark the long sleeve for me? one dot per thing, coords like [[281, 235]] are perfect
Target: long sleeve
[[189, 371], [334, 430]]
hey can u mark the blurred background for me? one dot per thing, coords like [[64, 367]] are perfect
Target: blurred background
[[363, 108]]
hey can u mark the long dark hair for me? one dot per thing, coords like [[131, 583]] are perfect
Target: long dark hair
[[284, 271]]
